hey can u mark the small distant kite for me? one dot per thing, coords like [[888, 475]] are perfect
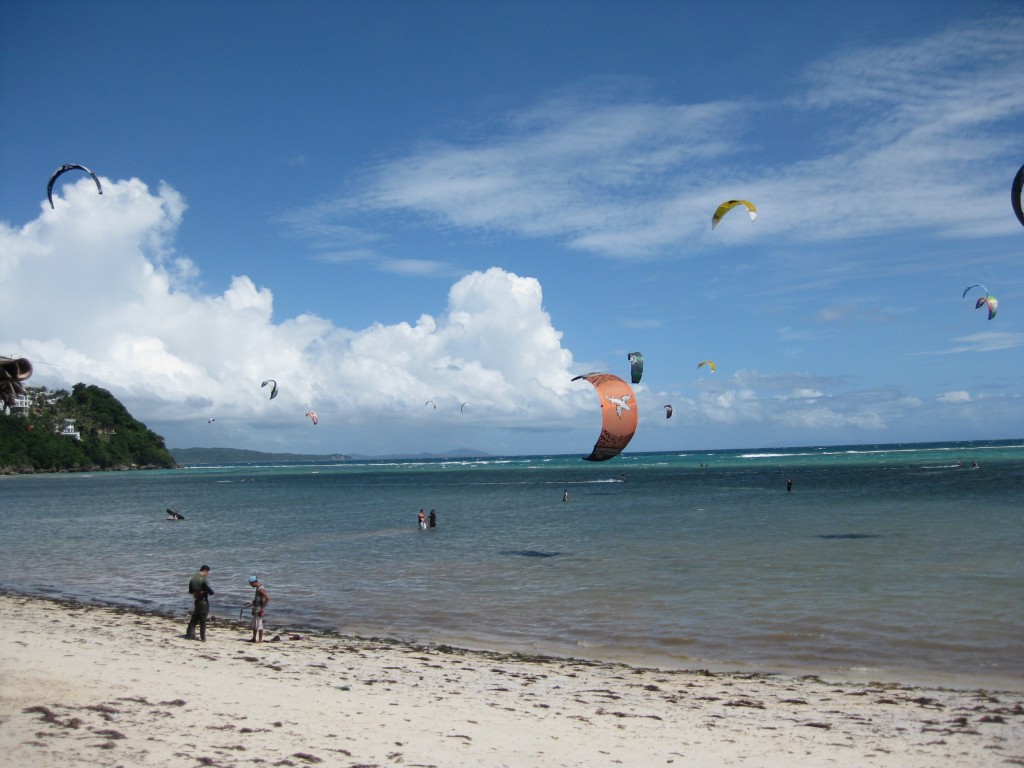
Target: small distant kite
[[65, 169], [668, 411], [1015, 193], [13, 371], [431, 402], [210, 421], [636, 366], [273, 389], [313, 417], [463, 406], [619, 415], [709, 363], [728, 205], [987, 300]]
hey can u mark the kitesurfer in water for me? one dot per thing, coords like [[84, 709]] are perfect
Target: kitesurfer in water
[[421, 520], [432, 518], [565, 495], [789, 485]]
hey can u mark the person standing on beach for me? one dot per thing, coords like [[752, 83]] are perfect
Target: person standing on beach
[[200, 590], [259, 605]]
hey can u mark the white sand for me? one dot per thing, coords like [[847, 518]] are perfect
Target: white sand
[[85, 685]]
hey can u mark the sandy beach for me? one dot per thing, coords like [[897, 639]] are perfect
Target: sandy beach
[[106, 686]]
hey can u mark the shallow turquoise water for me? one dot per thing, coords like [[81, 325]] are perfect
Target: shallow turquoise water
[[883, 560]]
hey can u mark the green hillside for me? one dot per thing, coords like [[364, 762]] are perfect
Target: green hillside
[[109, 437]]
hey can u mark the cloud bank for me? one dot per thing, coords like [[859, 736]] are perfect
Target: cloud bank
[[96, 293]]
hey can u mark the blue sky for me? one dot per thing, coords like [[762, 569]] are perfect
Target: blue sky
[[380, 204]]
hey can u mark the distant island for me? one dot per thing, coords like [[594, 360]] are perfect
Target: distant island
[[243, 456], [454, 453], [84, 430]]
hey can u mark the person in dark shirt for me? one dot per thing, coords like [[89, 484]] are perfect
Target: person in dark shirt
[[200, 590]]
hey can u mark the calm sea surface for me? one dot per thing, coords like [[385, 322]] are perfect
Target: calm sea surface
[[884, 562]]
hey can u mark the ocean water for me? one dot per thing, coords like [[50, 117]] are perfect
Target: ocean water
[[883, 562]]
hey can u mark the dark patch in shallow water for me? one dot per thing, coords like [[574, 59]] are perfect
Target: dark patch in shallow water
[[529, 553], [849, 536]]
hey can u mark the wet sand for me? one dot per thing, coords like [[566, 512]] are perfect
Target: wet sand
[[84, 685]]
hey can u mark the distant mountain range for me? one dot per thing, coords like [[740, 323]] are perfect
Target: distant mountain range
[[455, 453], [242, 456]]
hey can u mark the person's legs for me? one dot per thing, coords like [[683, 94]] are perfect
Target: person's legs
[[202, 622]]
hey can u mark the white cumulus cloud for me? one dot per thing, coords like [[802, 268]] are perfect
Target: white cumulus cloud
[[94, 293]]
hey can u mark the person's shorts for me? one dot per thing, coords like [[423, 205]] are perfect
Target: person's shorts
[[257, 621]]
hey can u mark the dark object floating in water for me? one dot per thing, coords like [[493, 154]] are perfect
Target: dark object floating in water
[[172, 515], [530, 553], [849, 536]]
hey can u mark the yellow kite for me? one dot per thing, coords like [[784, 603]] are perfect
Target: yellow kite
[[728, 205]]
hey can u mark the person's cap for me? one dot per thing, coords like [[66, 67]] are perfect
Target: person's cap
[[204, 567], [253, 579]]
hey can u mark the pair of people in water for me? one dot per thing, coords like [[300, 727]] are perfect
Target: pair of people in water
[[424, 520]]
